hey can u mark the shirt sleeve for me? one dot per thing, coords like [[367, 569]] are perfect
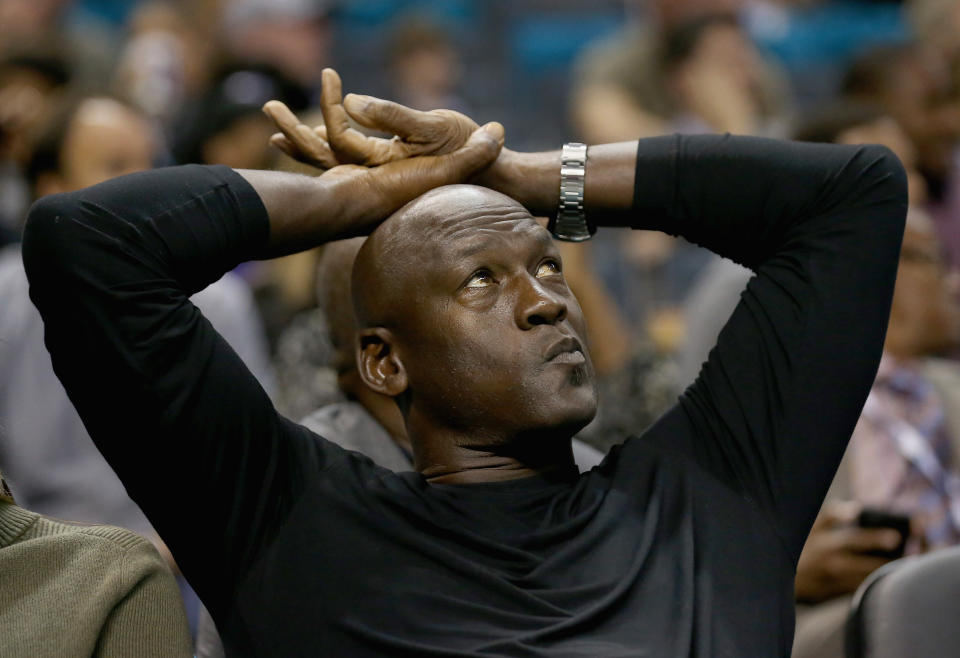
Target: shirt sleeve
[[774, 405], [188, 429]]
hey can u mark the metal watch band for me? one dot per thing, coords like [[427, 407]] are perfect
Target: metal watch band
[[571, 222]]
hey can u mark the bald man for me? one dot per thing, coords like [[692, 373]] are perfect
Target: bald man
[[683, 542], [368, 422]]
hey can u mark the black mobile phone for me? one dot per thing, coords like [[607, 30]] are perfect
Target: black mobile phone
[[878, 518]]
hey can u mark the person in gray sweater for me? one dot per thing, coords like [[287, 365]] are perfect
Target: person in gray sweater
[[79, 590]]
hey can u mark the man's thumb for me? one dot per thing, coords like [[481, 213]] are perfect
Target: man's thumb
[[481, 149]]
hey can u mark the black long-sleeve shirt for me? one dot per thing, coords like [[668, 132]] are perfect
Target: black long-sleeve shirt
[[682, 543]]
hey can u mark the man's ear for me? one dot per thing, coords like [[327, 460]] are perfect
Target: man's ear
[[378, 362]]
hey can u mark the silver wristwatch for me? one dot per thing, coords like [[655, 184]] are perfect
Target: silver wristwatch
[[570, 223]]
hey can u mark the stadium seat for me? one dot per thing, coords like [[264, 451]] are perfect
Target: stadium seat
[[910, 607]]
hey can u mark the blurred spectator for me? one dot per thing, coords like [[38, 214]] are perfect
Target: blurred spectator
[[814, 40], [936, 27], [29, 84], [673, 12], [88, 45], [426, 66], [44, 447], [701, 74], [850, 122], [225, 125], [304, 363], [900, 458], [166, 59], [902, 454], [72, 590], [88, 140], [292, 36], [914, 88]]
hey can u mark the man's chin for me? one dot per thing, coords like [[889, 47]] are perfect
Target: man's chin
[[573, 411]]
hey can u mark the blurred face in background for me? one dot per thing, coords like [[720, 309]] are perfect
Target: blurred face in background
[[25, 99], [888, 132], [915, 95], [297, 46], [105, 139], [431, 70], [22, 21], [244, 144], [925, 319], [676, 11], [725, 47]]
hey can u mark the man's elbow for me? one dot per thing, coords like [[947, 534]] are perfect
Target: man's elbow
[[50, 239], [885, 181]]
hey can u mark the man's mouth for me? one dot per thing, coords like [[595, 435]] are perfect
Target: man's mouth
[[566, 350], [574, 358]]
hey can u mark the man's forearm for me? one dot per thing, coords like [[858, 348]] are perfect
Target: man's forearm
[[738, 196], [299, 209], [533, 179]]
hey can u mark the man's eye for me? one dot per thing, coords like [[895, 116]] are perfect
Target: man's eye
[[481, 279], [548, 268]]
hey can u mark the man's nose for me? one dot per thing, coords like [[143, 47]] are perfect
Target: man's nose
[[537, 305]]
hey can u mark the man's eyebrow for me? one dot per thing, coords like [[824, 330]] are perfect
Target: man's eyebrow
[[476, 246], [470, 250]]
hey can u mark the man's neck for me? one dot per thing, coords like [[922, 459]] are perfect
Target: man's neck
[[447, 457]]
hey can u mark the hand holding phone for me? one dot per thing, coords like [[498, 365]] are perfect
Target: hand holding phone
[[840, 552], [879, 518]]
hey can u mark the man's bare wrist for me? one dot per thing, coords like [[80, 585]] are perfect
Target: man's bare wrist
[[531, 178]]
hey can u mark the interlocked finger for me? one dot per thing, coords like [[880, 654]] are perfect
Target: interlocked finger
[[413, 127], [299, 141], [350, 145], [425, 133], [480, 149]]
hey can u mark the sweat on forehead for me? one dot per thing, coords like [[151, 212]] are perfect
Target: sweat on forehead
[[431, 224], [446, 213]]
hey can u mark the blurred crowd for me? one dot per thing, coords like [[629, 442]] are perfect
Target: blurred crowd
[[92, 89]]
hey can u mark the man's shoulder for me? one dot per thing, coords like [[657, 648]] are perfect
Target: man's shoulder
[[349, 425]]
